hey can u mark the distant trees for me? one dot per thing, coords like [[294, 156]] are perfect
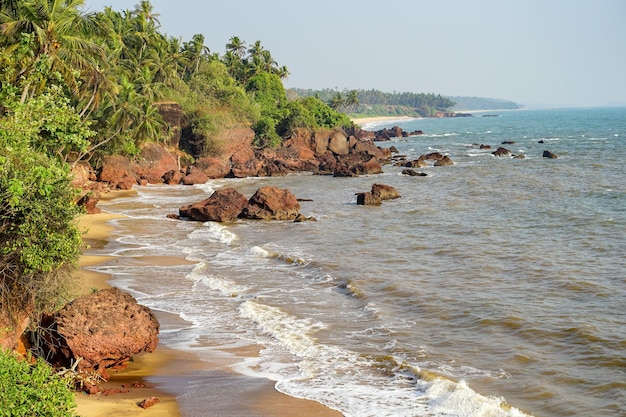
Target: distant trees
[[482, 103], [355, 101]]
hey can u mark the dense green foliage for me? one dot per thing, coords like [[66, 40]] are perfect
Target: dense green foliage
[[32, 390], [364, 102], [39, 240]]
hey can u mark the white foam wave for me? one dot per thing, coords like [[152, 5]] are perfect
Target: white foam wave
[[215, 232], [288, 258], [353, 383], [260, 252], [290, 331], [439, 135], [225, 286]]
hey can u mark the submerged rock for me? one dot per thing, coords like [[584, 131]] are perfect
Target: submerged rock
[[502, 152], [445, 161], [368, 199], [413, 173]]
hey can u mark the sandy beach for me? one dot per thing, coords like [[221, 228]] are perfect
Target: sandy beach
[[365, 120], [166, 373]]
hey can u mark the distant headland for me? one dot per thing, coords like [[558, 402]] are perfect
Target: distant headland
[[359, 104]]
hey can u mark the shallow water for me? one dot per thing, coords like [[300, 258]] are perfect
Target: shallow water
[[493, 287]]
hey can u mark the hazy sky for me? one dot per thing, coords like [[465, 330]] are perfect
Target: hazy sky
[[550, 52]]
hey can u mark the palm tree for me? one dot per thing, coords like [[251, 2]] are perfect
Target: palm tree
[[236, 46], [145, 10], [352, 99], [256, 50], [194, 52], [282, 72], [61, 34], [9, 6], [337, 101]]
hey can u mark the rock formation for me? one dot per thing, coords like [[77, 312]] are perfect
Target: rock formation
[[501, 152], [385, 192], [105, 329], [224, 205], [368, 199], [378, 194], [271, 203]]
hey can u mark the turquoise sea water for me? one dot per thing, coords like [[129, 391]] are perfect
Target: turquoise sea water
[[493, 287]]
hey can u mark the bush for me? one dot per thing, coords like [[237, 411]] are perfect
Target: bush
[[39, 239], [324, 115], [32, 390], [265, 133]]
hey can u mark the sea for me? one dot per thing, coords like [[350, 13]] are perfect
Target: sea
[[492, 287]]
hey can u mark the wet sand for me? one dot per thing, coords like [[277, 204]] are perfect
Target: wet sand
[[167, 373]]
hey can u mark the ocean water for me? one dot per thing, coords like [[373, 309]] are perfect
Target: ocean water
[[493, 287]]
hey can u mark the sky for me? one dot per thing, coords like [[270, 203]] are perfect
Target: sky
[[533, 52]]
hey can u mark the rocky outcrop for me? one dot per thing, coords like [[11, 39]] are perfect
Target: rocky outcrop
[[502, 152], [173, 177], [394, 132], [105, 329], [338, 143], [385, 192], [153, 162], [194, 175], [439, 158], [368, 199], [331, 152], [117, 172], [271, 203], [550, 155], [416, 163], [224, 205], [413, 173], [433, 156], [378, 194], [444, 161], [213, 167], [172, 114]]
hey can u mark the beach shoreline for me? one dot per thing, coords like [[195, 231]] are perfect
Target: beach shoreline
[[166, 373], [362, 121]]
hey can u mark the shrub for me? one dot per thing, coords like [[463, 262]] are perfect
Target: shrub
[[32, 390], [265, 133], [39, 239]]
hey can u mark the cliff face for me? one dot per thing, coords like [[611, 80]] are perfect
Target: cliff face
[[172, 114], [324, 152]]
